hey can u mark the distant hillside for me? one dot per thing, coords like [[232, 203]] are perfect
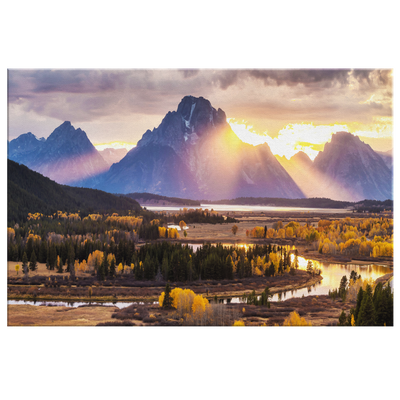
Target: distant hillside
[[279, 202], [111, 156], [31, 192], [155, 199], [374, 206]]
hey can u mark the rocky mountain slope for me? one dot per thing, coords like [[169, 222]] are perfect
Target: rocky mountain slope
[[67, 156], [348, 169], [194, 153]]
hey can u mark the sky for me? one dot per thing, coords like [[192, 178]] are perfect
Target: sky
[[290, 109]]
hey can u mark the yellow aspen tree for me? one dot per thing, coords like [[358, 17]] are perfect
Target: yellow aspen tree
[[110, 257], [238, 323], [161, 299], [185, 301], [281, 233], [161, 231], [17, 267], [199, 305], [174, 296], [270, 233], [120, 268], [294, 319], [90, 263], [182, 224]]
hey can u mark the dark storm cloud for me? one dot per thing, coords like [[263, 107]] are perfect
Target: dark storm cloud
[[88, 95], [327, 77], [309, 78]]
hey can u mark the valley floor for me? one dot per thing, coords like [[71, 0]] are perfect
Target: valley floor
[[319, 310]]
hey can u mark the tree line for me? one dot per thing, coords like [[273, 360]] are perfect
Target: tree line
[[374, 307]]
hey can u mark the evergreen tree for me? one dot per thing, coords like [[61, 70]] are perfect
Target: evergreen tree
[[164, 266], [100, 271], [29, 248], [354, 276], [387, 305], [52, 256], [148, 268], [349, 317], [33, 263], [228, 268], [167, 303], [280, 268], [25, 268], [360, 295], [265, 295], [105, 265], [343, 287], [111, 271], [189, 270], [71, 260], [247, 268], [342, 319], [43, 251], [367, 315], [271, 269]]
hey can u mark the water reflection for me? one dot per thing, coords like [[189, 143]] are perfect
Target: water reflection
[[332, 273], [118, 304]]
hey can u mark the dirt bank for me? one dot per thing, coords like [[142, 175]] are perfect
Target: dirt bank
[[125, 288]]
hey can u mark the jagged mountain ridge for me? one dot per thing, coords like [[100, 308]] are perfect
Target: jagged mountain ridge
[[352, 170], [347, 169], [67, 156], [194, 153]]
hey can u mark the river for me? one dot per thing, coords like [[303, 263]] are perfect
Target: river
[[332, 273], [230, 208]]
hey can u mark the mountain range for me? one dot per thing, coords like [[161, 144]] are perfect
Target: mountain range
[[195, 154], [67, 156]]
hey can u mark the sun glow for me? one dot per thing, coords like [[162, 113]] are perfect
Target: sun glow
[[114, 145], [293, 138]]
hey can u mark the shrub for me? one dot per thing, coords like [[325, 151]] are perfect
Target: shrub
[[149, 319], [116, 323]]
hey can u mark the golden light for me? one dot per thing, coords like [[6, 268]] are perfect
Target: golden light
[[291, 139], [114, 145], [247, 134]]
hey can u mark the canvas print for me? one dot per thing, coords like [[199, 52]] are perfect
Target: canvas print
[[209, 197]]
